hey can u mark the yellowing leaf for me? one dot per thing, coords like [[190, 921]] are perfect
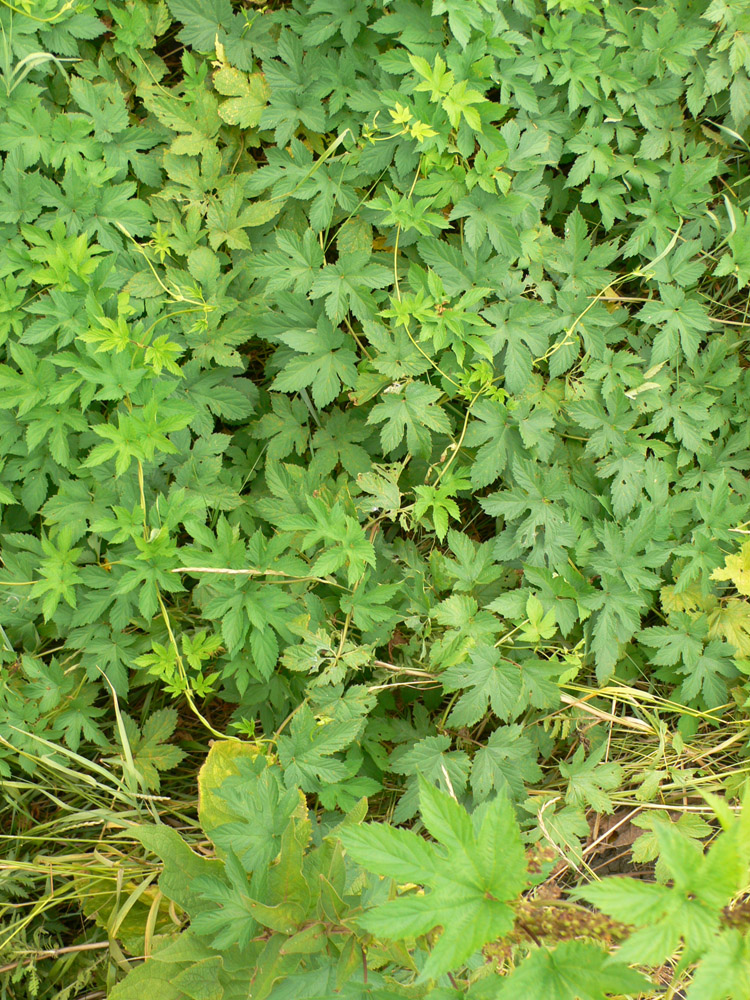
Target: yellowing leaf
[[249, 96], [220, 764], [736, 568], [260, 212], [732, 622], [688, 600], [354, 235]]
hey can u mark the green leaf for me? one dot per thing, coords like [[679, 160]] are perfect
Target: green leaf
[[589, 780], [323, 361], [682, 320], [201, 981], [476, 868], [347, 285], [724, 972], [390, 851], [307, 754], [428, 758], [181, 865], [148, 746], [486, 216], [228, 917], [201, 21], [574, 970], [438, 500], [505, 763], [489, 679], [244, 807], [689, 910], [409, 411]]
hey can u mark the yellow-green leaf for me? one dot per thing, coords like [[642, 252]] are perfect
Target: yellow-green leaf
[[249, 96]]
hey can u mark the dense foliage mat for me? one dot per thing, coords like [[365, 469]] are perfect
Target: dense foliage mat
[[373, 395]]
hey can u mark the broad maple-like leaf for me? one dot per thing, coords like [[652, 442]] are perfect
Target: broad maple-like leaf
[[476, 868]]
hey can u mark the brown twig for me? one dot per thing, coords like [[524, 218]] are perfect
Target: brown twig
[[55, 953]]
